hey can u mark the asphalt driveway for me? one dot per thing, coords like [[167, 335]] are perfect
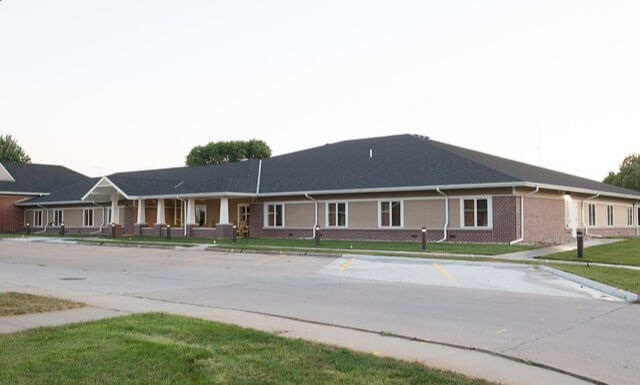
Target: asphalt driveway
[[512, 310]]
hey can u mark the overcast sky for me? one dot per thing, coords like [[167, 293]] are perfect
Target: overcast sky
[[105, 86]]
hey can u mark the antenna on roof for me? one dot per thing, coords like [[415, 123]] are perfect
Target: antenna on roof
[[371, 153]]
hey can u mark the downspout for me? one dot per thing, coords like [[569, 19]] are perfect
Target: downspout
[[102, 223], [522, 216], [446, 215], [315, 216], [184, 215], [586, 228]]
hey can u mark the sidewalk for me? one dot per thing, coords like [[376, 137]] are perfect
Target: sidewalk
[[465, 360], [529, 255]]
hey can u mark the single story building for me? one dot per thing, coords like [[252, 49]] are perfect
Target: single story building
[[384, 188], [20, 182]]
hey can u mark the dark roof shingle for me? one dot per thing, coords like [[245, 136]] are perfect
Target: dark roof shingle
[[38, 178]]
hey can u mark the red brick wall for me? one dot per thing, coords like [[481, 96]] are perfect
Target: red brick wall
[[11, 216], [544, 221]]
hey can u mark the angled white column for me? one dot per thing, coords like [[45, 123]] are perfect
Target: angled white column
[[191, 212], [224, 211], [115, 210], [142, 220], [160, 219]]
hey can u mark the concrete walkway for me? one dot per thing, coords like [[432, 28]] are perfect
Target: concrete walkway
[[471, 362], [530, 255]]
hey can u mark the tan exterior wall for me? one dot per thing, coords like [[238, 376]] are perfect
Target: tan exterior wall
[[424, 213], [454, 213], [299, 215], [321, 217], [363, 215]]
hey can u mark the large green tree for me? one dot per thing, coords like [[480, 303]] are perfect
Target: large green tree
[[629, 174], [225, 152], [10, 150]]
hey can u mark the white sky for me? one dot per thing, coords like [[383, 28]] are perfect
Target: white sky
[[105, 86]]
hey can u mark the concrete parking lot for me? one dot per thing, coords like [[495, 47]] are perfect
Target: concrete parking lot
[[514, 310]]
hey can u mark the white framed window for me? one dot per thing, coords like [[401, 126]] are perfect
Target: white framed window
[[629, 216], [243, 214], [274, 215], [390, 213], [201, 215], [476, 212], [87, 218], [336, 214], [58, 217], [38, 218], [610, 219], [108, 214], [592, 214]]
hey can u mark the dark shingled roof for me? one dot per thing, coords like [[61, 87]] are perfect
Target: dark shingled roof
[[38, 178], [404, 161], [71, 193], [240, 177]]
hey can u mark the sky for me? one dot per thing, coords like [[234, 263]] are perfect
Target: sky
[[107, 86]]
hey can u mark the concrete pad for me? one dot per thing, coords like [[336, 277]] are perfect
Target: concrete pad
[[516, 278], [29, 321]]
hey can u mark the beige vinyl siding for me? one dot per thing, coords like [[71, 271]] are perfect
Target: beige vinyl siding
[[321, 218], [73, 217], [213, 211], [363, 215], [424, 213], [299, 215], [454, 213]]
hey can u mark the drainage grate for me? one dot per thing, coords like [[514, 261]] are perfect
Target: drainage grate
[[72, 279]]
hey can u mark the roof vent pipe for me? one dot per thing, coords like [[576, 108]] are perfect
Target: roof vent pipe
[[371, 153]]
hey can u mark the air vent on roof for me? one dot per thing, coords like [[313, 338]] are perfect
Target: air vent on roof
[[179, 184], [371, 153]]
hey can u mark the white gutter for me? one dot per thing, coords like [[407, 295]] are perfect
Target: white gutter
[[522, 216], [316, 214], [102, 223], [23, 193], [586, 228], [446, 215]]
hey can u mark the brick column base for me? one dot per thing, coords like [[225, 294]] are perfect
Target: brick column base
[[224, 231], [189, 227], [116, 231], [137, 230], [159, 230]]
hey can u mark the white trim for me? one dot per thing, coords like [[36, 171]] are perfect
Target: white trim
[[611, 217], [35, 212], [475, 199], [40, 194], [238, 216], [346, 214], [2, 168], [595, 215], [265, 221], [391, 226], [220, 194], [199, 206], [61, 217]]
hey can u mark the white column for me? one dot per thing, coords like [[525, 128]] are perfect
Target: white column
[[142, 220], [115, 210], [191, 212], [224, 211], [160, 220]]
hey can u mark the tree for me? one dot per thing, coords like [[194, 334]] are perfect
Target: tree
[[10, 150], [629, 174], [226, 152]]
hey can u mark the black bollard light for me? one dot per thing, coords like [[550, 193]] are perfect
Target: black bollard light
[[62, 229], [234, 236], [28, 229], [580, 240], [317, 235], [424, 238], [168, 231], [113, 230]]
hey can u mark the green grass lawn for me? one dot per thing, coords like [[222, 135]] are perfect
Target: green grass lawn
[[309, 244], [626, 279], [626, 252], [165, 349], [20, 303]]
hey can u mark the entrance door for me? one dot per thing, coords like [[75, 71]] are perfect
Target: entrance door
[[243, 219]]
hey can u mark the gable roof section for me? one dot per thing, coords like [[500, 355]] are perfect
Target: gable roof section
[[67, 195], [238, 178], [37, 178]]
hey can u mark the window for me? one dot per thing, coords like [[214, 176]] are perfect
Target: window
[[58, 217], [476, 212], [630, 216], [243, 215], [275, 215], [391, 214], [609, 215], [592, 214], [37, 218], [201, 215], [87, 218], [336, 214]]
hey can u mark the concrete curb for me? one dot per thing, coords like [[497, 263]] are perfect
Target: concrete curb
[[609, 290]]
